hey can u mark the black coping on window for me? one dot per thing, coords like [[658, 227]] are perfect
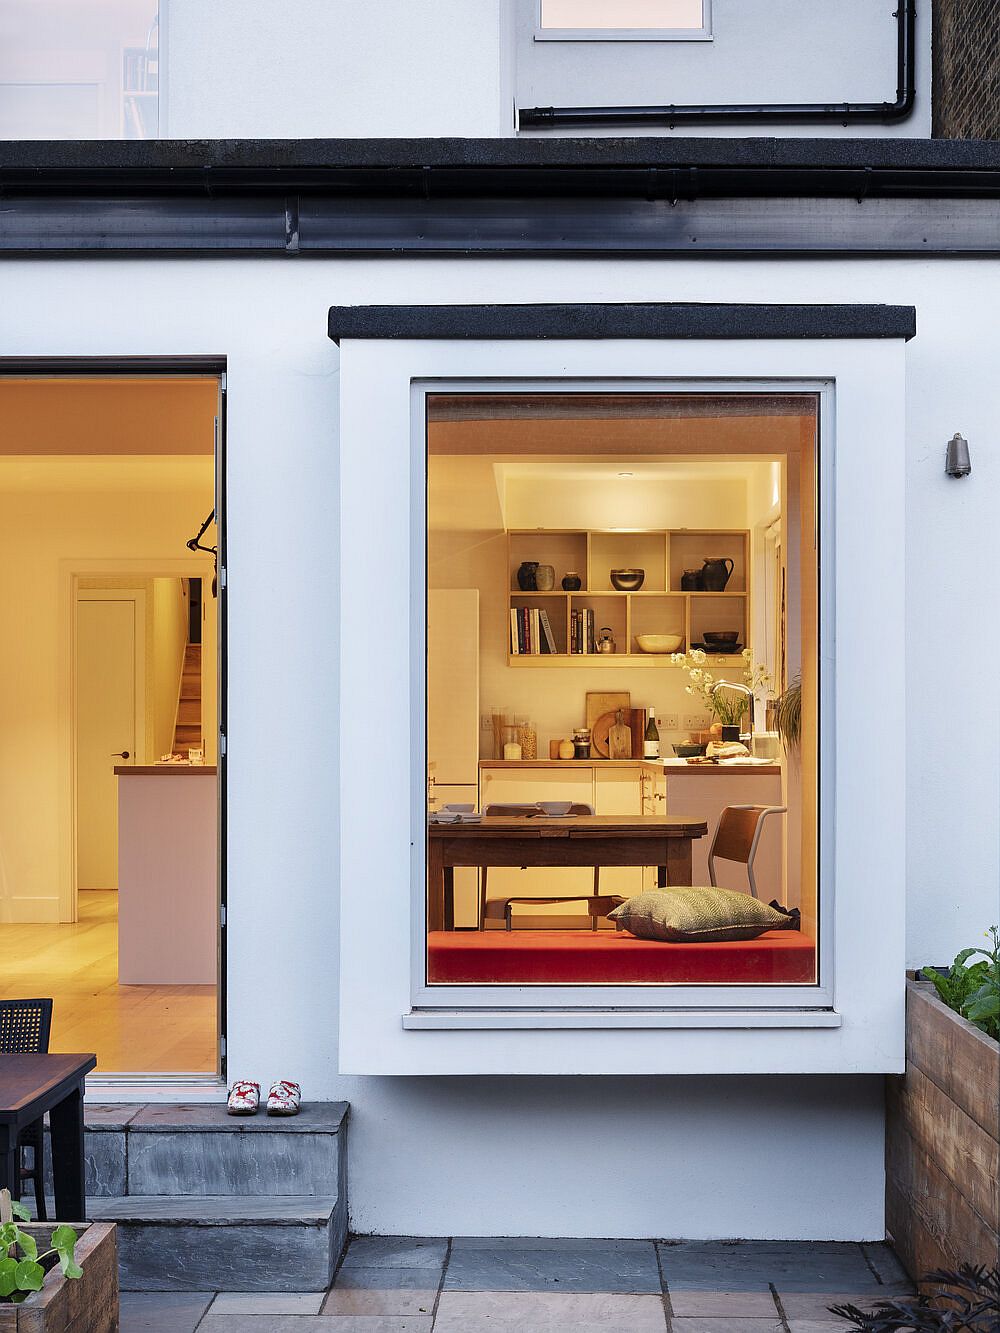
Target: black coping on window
[[602, 321]]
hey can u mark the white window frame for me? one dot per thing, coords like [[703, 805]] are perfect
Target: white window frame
[[391, 1022], [702, 34]]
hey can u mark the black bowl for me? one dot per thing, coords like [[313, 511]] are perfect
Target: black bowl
[[721, 636]]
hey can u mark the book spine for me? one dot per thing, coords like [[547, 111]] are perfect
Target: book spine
[[549, 640], [514, 645], [536, 632]]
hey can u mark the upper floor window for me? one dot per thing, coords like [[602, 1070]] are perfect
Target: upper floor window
[[625, 20], [79, 69]]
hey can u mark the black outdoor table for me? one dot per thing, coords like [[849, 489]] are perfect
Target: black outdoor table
[[30, 1085]]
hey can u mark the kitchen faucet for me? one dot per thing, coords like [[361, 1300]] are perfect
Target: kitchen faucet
[[744, 689]]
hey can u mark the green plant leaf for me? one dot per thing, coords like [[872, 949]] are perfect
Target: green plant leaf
[[8, 1277], [64, 1238], [19, 1210], [8, 1235], [27, 1243], [30, 1275], [69, 1266]]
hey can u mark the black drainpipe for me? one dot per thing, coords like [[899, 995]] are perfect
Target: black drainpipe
[[807, 113]]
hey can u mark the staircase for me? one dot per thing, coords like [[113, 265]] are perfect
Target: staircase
[[200, 1197], [187, 727]]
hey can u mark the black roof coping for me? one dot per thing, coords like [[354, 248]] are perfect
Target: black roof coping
[[358, 154], [646, 320]]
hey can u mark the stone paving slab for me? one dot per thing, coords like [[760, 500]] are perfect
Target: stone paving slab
[[570, 1267], [754, 1265], [816, 1304], [381, 1291], [883, 1259], [498, 1244], [470, 1312], [721, 1304], [163, 1311], [209, 1117], [395, 1252], [729, 1324], [268, 1302], [243, 1323]]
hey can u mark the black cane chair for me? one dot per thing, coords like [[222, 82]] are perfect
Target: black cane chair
[[24, 1030]]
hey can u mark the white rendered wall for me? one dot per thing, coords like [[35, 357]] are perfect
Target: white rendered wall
[[422, 1150], [339, 68]]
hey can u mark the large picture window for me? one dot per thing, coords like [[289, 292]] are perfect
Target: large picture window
[[622, 690]]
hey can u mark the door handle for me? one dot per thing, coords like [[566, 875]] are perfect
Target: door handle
[[120, 754]]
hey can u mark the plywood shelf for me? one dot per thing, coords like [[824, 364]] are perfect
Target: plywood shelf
[[664, 554]]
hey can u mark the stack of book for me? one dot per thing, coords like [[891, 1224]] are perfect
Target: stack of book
[[581, 631], [530, 632]]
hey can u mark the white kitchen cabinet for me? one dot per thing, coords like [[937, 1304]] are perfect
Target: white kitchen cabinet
[[526, 785], [617, 791]]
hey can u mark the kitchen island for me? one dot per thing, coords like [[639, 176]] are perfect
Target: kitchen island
[[168, 892]]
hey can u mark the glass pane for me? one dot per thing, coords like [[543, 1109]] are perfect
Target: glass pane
[[619, 588], [666, 14], [79, 69]]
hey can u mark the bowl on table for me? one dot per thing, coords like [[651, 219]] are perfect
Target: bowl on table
[[627, 580], [556, 807], [659, 643], [688, 750]]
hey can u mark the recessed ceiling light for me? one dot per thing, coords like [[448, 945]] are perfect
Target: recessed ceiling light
[[626, 474]]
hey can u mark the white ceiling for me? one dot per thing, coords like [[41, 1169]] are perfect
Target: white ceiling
[[26, 473]]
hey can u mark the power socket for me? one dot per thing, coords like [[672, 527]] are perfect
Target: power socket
[[696, 721], [669, 722]]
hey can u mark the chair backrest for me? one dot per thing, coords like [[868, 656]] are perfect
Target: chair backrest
[[25, 1026], [738, 835], [511, 808]]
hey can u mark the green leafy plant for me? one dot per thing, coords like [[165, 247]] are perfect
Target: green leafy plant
[[788, 717], [964, 1301], [728, 706], [22, 1268], [973, 991]]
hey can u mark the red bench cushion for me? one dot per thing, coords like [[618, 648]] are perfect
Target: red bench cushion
[[604, 957]]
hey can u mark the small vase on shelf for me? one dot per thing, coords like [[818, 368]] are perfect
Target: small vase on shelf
[[526, 576]]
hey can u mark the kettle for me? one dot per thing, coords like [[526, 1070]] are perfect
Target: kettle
[[716, 573]]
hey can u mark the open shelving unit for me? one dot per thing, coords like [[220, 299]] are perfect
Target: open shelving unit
[[659, 607]]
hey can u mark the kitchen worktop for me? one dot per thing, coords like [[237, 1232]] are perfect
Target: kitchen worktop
[[668, 766], [154, 770]]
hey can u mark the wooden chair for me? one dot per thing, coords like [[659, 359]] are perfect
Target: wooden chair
[[597, 905], [24, 1030], [738, 835]]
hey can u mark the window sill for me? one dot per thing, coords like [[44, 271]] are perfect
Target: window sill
[[436, 1020]]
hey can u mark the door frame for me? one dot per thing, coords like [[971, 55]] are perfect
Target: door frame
[[137, 596]]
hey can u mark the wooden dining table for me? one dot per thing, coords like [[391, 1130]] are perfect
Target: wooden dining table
[[663, 841], [30, 1087]]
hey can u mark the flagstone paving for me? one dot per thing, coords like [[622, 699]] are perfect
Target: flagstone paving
[[419, 1284]]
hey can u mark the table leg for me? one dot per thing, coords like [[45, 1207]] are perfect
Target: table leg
[[679, 861], [10, 1161], [449, 897], [661, 877], [435, 885], [66, 1122]]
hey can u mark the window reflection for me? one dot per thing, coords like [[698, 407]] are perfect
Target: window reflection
[[79, 69]]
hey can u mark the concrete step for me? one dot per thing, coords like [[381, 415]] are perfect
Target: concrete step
[[190, 1150], [193, 1243]]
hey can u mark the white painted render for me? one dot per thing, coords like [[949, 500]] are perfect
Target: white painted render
[[750, 1156], [339, 68]]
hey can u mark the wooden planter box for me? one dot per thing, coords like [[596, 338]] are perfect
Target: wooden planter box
[[942, 1132], [85, 1305]]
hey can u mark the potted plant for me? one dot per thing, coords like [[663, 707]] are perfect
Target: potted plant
[[967, 1299], [54, 1277], [943, 1117], [726, 706]]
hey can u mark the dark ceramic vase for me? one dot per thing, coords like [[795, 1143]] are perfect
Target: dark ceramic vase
[[572, 583], [526, 575]]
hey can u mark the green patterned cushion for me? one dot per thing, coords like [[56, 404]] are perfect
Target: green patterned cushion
[[688, 915]]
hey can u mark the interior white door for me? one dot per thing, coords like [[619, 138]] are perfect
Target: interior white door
[[105, 728]]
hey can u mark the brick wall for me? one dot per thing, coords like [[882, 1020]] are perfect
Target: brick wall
[[966, 88]]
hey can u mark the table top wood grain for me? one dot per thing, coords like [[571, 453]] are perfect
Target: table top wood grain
[[26, 1080]]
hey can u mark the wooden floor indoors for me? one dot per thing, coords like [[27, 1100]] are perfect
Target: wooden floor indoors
[[133, 1029]]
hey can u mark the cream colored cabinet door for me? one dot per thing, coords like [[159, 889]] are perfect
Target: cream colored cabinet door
[[618, 791], [507, 786], [705, 796]]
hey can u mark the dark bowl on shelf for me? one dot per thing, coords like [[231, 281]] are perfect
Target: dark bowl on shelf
[[721, 636], [690, 750], [627, 580]]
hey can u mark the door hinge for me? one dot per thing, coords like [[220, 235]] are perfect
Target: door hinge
[[222, 1047], [222, 576], [222, 915], [222, 744]]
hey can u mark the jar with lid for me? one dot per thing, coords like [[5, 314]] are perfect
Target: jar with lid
[[581, 743]]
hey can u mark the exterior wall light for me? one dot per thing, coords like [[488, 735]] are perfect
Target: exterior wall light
[[957, 462]]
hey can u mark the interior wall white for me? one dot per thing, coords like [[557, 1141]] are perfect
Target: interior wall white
[[412, 1139], [40, 535], [334, 69]]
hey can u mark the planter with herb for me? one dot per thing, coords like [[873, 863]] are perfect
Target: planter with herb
[[56, 1278], [943, 1121]]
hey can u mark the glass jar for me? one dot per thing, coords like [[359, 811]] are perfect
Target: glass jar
[[528, 736], [511, 744]]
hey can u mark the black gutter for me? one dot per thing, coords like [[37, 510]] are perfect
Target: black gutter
[[817, 113]]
